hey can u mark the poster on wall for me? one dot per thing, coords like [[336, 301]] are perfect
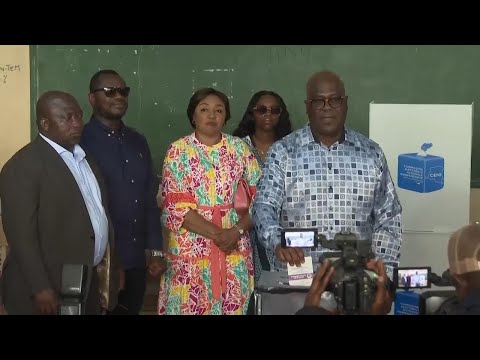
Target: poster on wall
[[428, 150], [14, 99]]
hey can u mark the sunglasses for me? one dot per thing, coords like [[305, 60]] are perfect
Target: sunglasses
[[111, 91], [319, 104], [262, 110]]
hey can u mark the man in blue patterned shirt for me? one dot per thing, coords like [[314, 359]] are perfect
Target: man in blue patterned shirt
[[328, 177]]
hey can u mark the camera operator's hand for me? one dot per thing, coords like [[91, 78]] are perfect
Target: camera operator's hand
[[291, 255], [383, 301], [323, 276], [46, 302]]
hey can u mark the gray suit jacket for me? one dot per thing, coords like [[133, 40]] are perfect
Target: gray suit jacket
[[46, 224]]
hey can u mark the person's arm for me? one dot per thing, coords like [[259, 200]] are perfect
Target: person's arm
[[179, 204], [19, 194], [382, 302], [269, 197], [320, 282], [268, 205], [194, 222], [387, 217]]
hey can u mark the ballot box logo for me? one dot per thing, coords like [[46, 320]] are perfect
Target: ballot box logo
[[421, 172]]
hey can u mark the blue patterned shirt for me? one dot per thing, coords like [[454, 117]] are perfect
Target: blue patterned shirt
[[346, 187]]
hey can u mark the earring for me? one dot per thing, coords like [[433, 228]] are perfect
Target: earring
[[193, 122]]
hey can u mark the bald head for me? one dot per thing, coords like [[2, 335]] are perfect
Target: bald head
[[60, 118], [464, 259], [464, 250], [316, 80], [49, 100]]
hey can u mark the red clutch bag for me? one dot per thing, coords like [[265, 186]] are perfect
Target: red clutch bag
[[243, 198]]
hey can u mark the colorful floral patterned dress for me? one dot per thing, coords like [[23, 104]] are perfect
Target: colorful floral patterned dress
[[200, 279]]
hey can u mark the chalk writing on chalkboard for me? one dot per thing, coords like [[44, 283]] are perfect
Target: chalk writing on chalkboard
[[5, 69]]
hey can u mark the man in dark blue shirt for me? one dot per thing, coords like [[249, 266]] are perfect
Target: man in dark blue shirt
[[124, 158]]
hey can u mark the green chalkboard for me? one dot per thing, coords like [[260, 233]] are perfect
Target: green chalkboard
[[164, 77]]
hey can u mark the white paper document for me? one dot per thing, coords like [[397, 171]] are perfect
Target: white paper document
[[301, 276]]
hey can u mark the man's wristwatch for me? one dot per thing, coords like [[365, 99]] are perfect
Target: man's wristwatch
[[240, 230], [156, 253]]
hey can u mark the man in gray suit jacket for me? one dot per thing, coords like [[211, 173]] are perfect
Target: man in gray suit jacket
[[54, 213]]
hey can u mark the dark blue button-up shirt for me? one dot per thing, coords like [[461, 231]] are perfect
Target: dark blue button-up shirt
[[125, 161]]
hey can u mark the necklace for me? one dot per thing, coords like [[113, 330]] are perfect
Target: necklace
[[260, 151]]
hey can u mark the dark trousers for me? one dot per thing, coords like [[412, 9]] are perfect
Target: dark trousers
[[130, 299]]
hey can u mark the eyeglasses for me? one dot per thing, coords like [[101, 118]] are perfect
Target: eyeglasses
[[319, 104], [262, 110], [111, 91]]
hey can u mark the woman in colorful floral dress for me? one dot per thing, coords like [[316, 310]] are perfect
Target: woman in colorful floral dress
[[210, 261]]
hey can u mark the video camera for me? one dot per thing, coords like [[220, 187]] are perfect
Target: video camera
[[353, 284]]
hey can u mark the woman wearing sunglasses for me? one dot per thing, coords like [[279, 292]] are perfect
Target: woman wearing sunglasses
[[265, 121], [210, 257]]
